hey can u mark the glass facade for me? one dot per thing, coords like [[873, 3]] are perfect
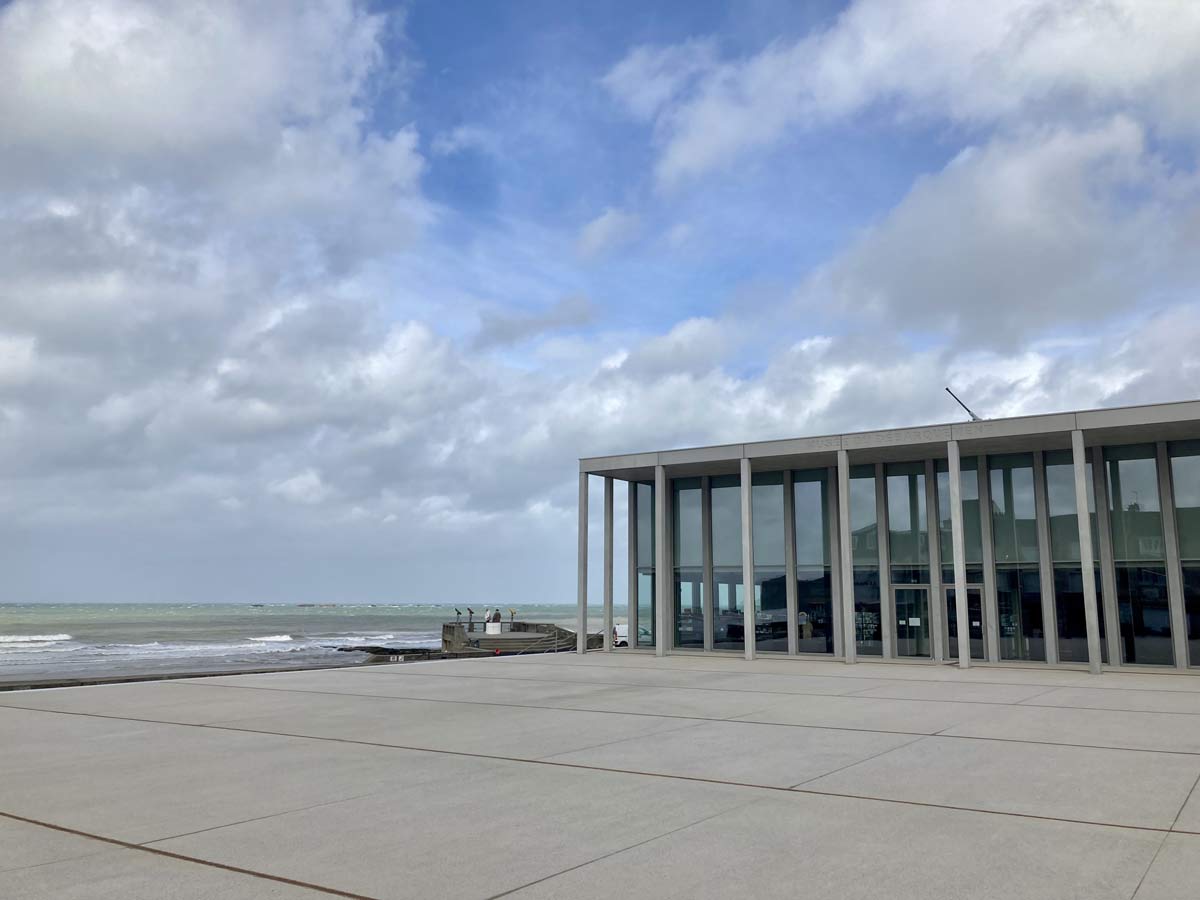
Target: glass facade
[[728, 616], [687, 535], [770, 565], [814, 583], [1064, 553], [645, 565], [1139, 555], [908, 546], [1014, 539], [1185, 483], [972, 551], [864, 548]]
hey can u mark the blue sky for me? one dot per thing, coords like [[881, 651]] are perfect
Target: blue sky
[[322, 299]]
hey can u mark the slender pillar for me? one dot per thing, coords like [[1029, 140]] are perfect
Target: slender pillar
[[991, 618], [1091, 613], [789, 557], [631, 611], [958, 545], [748, 556], [608, 563], [835, 558], [937, 608], [1108, 571], [849, 640], [662, 566], [887, 608], [1174, 572], [710, 588], [1041, 514], [581, 625]]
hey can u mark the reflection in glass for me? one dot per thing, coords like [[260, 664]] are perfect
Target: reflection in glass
[[689, 562], [974, 621], [1185, 477], [814, 595], [728, 615], [1064, 551], [1014, 536], [645, 564], [770, 567], [1139, 556], [973, 551], [864, 544]]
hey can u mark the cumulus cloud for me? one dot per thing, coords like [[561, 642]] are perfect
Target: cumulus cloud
[[606, 232], [1021, 235], [1005, 61]]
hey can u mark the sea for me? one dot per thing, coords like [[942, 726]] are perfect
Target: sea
[[45, 641]]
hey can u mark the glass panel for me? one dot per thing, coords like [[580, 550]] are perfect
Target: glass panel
[[864, 541], [814, 594], [1145, 617], [770, 573], [1019, 612], [908, 531], [972, 528], [1145, 622], [1014, 526], [868, 625], [912, 621], [645, 564], [974, 622], [728, 590], [1064, 548], [1072, 621], [688, 589], [1191, 607], [1185, 477]]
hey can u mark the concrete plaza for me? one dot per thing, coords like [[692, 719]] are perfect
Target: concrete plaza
[[607, 775]]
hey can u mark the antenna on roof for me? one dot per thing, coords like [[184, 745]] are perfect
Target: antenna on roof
[[974, 418]]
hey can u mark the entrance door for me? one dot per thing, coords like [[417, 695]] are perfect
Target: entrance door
[[912, 621], [974, 622]]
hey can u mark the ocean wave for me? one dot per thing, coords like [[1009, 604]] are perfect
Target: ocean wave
[[274, 638], [33, 638]]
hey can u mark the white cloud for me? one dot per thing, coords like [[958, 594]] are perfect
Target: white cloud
[[611, 229], [998, 62], [649, 77], [1021, 235], [305, 487]]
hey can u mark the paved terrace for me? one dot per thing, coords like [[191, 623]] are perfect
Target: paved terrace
[[606, 775]]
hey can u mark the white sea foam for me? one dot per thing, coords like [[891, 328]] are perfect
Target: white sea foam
[[33, 638], [273, 638]]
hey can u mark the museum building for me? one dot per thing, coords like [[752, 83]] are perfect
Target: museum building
[[1064, 539]]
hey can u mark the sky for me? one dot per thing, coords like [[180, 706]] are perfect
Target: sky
[[322, 300]]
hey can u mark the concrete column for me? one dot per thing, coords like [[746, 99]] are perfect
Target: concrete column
[[937, 609], [608, 562], [662, 566], [631, 626], [887, 609], [958, 542], [1166, 501], [991, 618], [581, 623], [1045, 564], [789, 557], [1091, 612], [835, 559], [710, 587], [849, 642], [1108, 571], [748, 555]]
